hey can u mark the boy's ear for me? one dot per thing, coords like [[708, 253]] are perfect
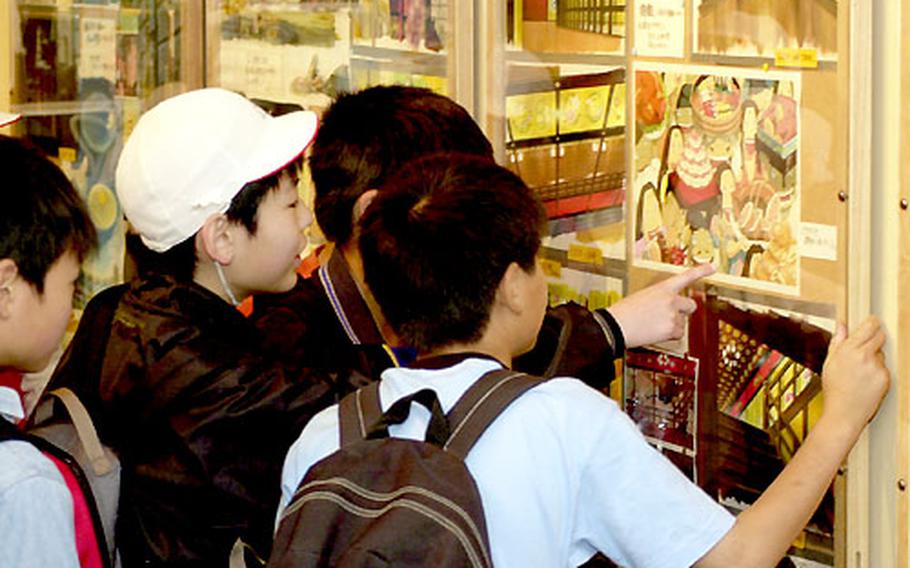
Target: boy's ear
[[216, 240], [8, 273], [511, 292], [362, 203]]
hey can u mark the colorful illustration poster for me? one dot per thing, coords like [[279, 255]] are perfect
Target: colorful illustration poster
[[717, 172], [761, 28], [659, 395], [660, 28]]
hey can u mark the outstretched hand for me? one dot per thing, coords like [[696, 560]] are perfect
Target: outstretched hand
[[658, 313], [854, 377]]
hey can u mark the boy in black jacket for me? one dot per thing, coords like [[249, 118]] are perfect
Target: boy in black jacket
[[331, 320], [177, 385]]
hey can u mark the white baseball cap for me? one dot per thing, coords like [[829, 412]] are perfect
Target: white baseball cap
[[8, 118], [191, 154]]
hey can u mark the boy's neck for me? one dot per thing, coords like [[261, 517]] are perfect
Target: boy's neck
[[479, 348], [205, 276]]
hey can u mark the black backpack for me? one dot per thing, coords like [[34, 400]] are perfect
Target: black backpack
[[383, 501]]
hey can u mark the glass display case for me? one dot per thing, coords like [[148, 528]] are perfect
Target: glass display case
[[81, 74], [562, 128], [658, 133], [664, 134], [305, 52]]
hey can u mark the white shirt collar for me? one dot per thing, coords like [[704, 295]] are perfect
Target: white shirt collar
[[11, 405]]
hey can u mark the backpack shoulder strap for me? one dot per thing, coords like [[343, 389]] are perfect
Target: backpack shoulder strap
[[358, 412], [482, 403], [8, 431], [85, 430]]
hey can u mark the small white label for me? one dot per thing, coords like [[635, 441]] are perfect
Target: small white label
[[818, 241], [660, 28]]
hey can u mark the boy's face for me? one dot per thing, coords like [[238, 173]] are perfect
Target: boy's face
[[42, 318], [268, 260]]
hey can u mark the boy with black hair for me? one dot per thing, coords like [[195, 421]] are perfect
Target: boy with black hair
[[449, 250], [45, 233], [169, 369], [333, 322]]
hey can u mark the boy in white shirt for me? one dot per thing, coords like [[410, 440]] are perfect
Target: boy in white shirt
[[449, 249], [45, 233]]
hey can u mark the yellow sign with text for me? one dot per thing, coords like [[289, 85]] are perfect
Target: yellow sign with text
[[802, 57]]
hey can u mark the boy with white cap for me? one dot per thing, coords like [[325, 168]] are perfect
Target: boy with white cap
[[178, 388]]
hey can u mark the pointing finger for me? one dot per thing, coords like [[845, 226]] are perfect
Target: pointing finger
[[680, 281]]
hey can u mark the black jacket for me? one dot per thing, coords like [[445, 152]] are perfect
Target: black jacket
[[201, 424], [324, 323]]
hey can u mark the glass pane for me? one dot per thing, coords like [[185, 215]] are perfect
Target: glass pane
[[564, 133], [83, 73], [567, 26], [307, 52], [739, 153], [758, 29], [565, 136]]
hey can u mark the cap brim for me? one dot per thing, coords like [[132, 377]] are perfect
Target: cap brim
[[284, 139], [7, 118]]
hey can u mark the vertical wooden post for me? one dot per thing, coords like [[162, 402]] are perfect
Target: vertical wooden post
[[7, 17], [461, 54], [491, 74], [900, 337], [859, 249]]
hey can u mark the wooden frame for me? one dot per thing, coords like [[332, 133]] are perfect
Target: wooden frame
[[900, 337]]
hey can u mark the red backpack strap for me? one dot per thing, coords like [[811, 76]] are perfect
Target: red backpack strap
[[482, 403], [358, 412]]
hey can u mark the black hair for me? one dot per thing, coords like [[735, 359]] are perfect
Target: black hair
[[366, 136], [436, 243], [180, 260], [42, 215], [244, 208]]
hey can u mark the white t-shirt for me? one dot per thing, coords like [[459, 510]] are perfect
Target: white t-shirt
[[562, 473], [36, 507]]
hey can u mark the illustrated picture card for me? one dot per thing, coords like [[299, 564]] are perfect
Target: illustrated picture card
[[716, 175]]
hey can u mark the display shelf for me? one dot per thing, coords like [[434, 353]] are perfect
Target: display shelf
[[59, 108], [401, 59]]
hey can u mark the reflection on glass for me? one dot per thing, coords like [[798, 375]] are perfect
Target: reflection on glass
[[308, 52], [565, 138], [758, 28], [81, 84], [418, 25], [288, 52], [567, 26]]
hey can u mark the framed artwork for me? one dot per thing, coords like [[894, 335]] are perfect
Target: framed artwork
[[566, 139], [659, 395], [758, 28], [716, 172], [759, 395]]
